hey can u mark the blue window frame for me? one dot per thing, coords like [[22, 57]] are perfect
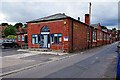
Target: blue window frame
[[22, 37], [56, 38], [18, 37], [34, 39]]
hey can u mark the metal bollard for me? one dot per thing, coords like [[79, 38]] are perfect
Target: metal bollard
[[118, 66]]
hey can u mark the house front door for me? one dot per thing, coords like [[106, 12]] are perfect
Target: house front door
[[45, 37]]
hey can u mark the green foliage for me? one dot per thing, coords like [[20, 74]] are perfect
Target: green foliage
[[25, 26], [10, 30], [18, 24], [114, 29], [4, 24], [103, 27], [11, 37]]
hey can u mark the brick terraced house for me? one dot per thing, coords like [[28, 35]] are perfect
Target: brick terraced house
[[98, 34], [22, 38]]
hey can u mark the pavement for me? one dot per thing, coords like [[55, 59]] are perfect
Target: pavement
[[25, 59]]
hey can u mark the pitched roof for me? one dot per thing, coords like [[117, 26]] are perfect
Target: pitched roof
[[95, 25], [55, 17], [52, 17]]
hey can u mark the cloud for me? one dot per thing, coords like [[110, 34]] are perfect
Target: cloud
[[105, 13], [61, 1], [24, 11]]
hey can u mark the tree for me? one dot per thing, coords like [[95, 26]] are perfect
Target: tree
[[114, 29], [103, 27], [10, 30], [4, 24], [17, 25], [25, 26]]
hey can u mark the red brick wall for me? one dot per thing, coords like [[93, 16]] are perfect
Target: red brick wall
[[108, 39], [20, 42], [65, 28], [91, 37], [99, 35], [57, 26], [94, 43], [105, 38], [70, 25], [87, 18], [79, 36]]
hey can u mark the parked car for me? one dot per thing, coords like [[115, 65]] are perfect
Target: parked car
[[118, 47], [7, 43], [1, 40]]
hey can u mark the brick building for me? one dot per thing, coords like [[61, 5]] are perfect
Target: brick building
[[21, 36], [58, 32], [2, 28], [62, 32], [0, 31], [114, 35], [100, 36], [90, 30], [96, 35], [118, 35]]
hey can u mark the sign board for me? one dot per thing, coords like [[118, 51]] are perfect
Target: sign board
[[65, 38], [45, 32]]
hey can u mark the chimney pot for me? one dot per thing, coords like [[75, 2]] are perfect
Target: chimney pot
[[63, 13], [78, 18]]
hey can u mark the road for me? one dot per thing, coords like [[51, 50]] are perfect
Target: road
[[94, 63]]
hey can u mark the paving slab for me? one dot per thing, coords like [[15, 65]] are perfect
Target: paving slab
[[40, 52], [7, 61]]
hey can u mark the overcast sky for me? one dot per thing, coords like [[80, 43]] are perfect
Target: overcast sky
[[103, 12]]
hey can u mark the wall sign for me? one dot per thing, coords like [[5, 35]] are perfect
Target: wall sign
[[55, 34], [65, 38]]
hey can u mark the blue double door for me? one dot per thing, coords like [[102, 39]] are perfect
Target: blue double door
[[45, 41]]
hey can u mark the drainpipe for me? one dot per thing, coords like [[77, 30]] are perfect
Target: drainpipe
[[72, 36], [92, 37]]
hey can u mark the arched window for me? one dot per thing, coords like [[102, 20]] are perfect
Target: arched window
[[45, 29]]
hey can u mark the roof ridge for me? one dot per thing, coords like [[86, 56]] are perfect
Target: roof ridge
[[51, 15], [57, 16]]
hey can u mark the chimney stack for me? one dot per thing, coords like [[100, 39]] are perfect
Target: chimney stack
[[88, 16], [63, 13], [87, 19]]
